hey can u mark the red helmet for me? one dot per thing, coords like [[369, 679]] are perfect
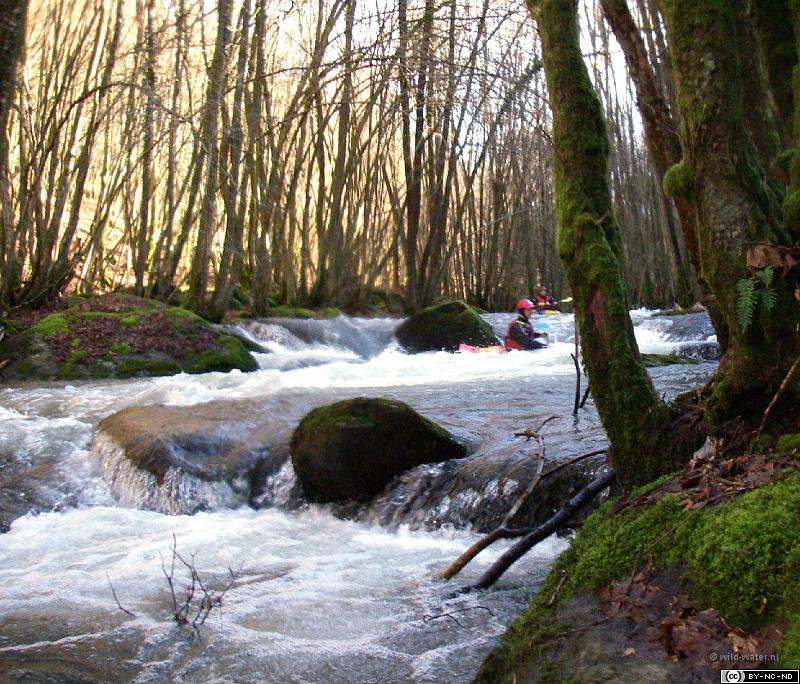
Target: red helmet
[[525, 304]]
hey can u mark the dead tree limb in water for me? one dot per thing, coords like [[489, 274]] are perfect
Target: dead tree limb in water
[[576, 503], [503, 531]]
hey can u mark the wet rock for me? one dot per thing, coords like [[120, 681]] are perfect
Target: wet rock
[[478, 491], [118, 336], [444, 327], [176, 459], [701, 351], [353, 448]]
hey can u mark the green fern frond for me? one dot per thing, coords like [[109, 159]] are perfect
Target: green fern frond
[[765, 275], [745, 302], [768, 298]]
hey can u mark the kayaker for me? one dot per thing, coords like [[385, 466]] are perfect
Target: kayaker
[[520, 333], [544, 302]]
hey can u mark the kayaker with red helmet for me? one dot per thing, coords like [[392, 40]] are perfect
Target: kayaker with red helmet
[[520, 333]]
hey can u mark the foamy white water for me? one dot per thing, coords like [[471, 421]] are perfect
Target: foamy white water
[[319, 599]]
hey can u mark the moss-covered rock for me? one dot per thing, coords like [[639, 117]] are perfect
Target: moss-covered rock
[[353, 448], [119, 336], [444, 327], [741, 558], [657, 360]]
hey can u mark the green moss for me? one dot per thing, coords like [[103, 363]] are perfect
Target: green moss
[[282, 311], [178, 312], [72, 368], [230, 355], [76, 342], [119, 348], [138, 368], [130, 320], [657, 360], [9, 327], [788, 443], [610, 547], [789, 647], [678, 181], [50, 325], [740, 554]]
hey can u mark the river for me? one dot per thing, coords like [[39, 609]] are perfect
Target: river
[[318, 598]]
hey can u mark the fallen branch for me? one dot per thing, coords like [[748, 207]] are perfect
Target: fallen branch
[[512, 555], [585, 396], [777, 396], [503, 531], [574, 460]]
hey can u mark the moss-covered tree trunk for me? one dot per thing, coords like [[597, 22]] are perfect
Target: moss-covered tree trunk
[[736, 202], [589, 245]]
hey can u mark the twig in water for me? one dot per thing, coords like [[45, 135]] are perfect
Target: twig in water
[[119, 605], [199, 600], [451, 615]]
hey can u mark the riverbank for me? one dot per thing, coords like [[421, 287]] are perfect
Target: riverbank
[[693, 573]]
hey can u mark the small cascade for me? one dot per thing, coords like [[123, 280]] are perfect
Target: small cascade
[[362, 337], [176, 493]]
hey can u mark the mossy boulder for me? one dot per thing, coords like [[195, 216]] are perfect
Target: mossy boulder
[[444, 327], [353, 448], [119, 336]]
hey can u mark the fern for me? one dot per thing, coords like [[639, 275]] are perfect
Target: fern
[[765, 275], [768, 298], [750, 292], [745, 302]]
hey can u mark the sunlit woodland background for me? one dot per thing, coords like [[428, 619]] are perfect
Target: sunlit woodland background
[[310, 153]]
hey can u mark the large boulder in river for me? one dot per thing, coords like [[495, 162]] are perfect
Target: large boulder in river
[[353, 448], [180, 459], [117, 336], [444, 327]]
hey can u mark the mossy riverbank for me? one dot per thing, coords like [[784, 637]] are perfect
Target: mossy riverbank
[[670, 582], [116, 336]]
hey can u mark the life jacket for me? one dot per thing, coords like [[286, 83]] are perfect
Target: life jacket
[[527, 327], [542, 302]]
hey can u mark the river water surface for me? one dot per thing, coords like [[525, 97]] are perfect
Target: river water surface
[[319, 599]]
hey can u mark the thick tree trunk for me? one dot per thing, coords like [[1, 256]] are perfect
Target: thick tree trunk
[[734, 200], [590, 247]]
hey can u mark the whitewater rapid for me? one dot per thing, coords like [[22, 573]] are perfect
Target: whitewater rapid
[[319, 599]]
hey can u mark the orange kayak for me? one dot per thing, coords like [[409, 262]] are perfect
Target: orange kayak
[[499, 349]]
